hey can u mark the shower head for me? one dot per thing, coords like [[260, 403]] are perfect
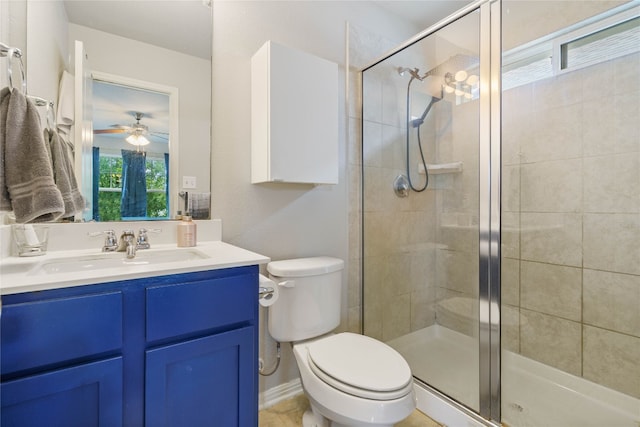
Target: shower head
[[412, 71], [415, 72]]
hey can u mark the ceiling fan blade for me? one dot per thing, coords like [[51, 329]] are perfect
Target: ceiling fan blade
[[99, 131]]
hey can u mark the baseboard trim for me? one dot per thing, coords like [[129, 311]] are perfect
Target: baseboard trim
[[279, 393]]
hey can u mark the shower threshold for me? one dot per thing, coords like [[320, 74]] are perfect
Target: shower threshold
[[533, 394]]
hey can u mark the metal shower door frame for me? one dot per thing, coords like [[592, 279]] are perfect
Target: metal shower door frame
[[490, 209]]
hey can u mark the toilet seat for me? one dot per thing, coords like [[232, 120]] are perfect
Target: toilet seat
[[361, 366]]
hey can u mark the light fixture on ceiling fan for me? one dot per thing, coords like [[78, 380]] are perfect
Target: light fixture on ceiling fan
[[136, 131], [137, 138]]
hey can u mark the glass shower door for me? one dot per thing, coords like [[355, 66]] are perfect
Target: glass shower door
[[420, 154], [571, 214]]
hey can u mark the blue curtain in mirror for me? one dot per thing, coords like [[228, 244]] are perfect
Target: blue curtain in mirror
[[134, 184], [166, 182], [96, 183]]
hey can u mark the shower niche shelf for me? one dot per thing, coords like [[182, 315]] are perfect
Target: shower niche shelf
[[441, 168], [294, 117]]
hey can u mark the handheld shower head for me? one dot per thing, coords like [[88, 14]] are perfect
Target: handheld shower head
[[420, 120]]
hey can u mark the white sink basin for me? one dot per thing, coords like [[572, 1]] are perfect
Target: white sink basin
[[15, 268], [115, 260]]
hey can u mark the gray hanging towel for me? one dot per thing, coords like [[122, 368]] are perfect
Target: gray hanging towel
[[63, 174], [5, 200], [28, 175]]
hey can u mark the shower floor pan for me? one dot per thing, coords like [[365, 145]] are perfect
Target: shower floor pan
[[533, 394]]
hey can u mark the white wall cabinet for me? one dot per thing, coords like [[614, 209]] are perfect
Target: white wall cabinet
[[294, 117]]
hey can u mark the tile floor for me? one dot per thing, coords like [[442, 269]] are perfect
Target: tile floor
[[288, 413]]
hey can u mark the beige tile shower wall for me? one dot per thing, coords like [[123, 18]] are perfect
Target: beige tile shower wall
[[398, 263], [571, 223], [399, 253], [457, 231], [421, 252]]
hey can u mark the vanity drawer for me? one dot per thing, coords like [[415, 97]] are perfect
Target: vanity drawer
[[47, 332], [188, 308]]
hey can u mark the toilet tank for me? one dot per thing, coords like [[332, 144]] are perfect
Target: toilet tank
[[310, 292]]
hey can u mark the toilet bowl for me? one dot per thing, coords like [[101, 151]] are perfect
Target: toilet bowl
[[349, 379], [377, 391]]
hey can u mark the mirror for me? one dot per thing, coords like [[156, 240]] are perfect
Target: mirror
[[132, 120], [147, 47]]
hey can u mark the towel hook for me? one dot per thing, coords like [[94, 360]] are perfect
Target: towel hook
[[51, 115], [17, 53], [14, 52], [51, 112]]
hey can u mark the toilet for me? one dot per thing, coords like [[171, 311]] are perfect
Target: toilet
[[349, 379]]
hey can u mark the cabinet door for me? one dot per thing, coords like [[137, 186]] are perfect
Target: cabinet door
[[294, 117], [210, 381], [82, 396]]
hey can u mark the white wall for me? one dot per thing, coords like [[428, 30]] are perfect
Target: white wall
[[280, 220], [191, 75], [13, 32], [46, 49]]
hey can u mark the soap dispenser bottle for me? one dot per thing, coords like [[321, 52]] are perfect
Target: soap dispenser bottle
[[186, 231]]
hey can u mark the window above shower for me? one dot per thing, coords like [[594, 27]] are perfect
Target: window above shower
[[595, 40]]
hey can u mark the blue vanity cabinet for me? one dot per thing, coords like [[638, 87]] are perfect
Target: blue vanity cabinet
[[173, 350], [61, 360]]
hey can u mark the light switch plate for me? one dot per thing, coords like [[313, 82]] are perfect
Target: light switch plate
[[188, 182]]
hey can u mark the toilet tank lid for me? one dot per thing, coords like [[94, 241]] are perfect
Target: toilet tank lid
[[301, 267]]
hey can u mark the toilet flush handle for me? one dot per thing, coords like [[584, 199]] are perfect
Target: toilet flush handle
[[287, 283]]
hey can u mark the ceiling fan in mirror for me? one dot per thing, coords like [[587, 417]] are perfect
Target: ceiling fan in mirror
[[137, 132]]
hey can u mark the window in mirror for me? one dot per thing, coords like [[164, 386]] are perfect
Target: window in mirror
[[109, 191]]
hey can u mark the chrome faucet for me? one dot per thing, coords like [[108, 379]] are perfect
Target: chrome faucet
[[143, 239], [127, 243], [110, 241]]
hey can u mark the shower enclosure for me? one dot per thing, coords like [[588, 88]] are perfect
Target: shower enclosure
[[501, 210]]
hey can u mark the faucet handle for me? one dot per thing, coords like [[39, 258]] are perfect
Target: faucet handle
[[110, 240], [150, 230], [143, 240]]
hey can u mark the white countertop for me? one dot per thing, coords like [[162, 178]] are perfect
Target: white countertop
[[20, 274]]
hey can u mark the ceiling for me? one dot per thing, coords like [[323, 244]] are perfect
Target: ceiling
[[180, 25], [186, 26], [422, 13]]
